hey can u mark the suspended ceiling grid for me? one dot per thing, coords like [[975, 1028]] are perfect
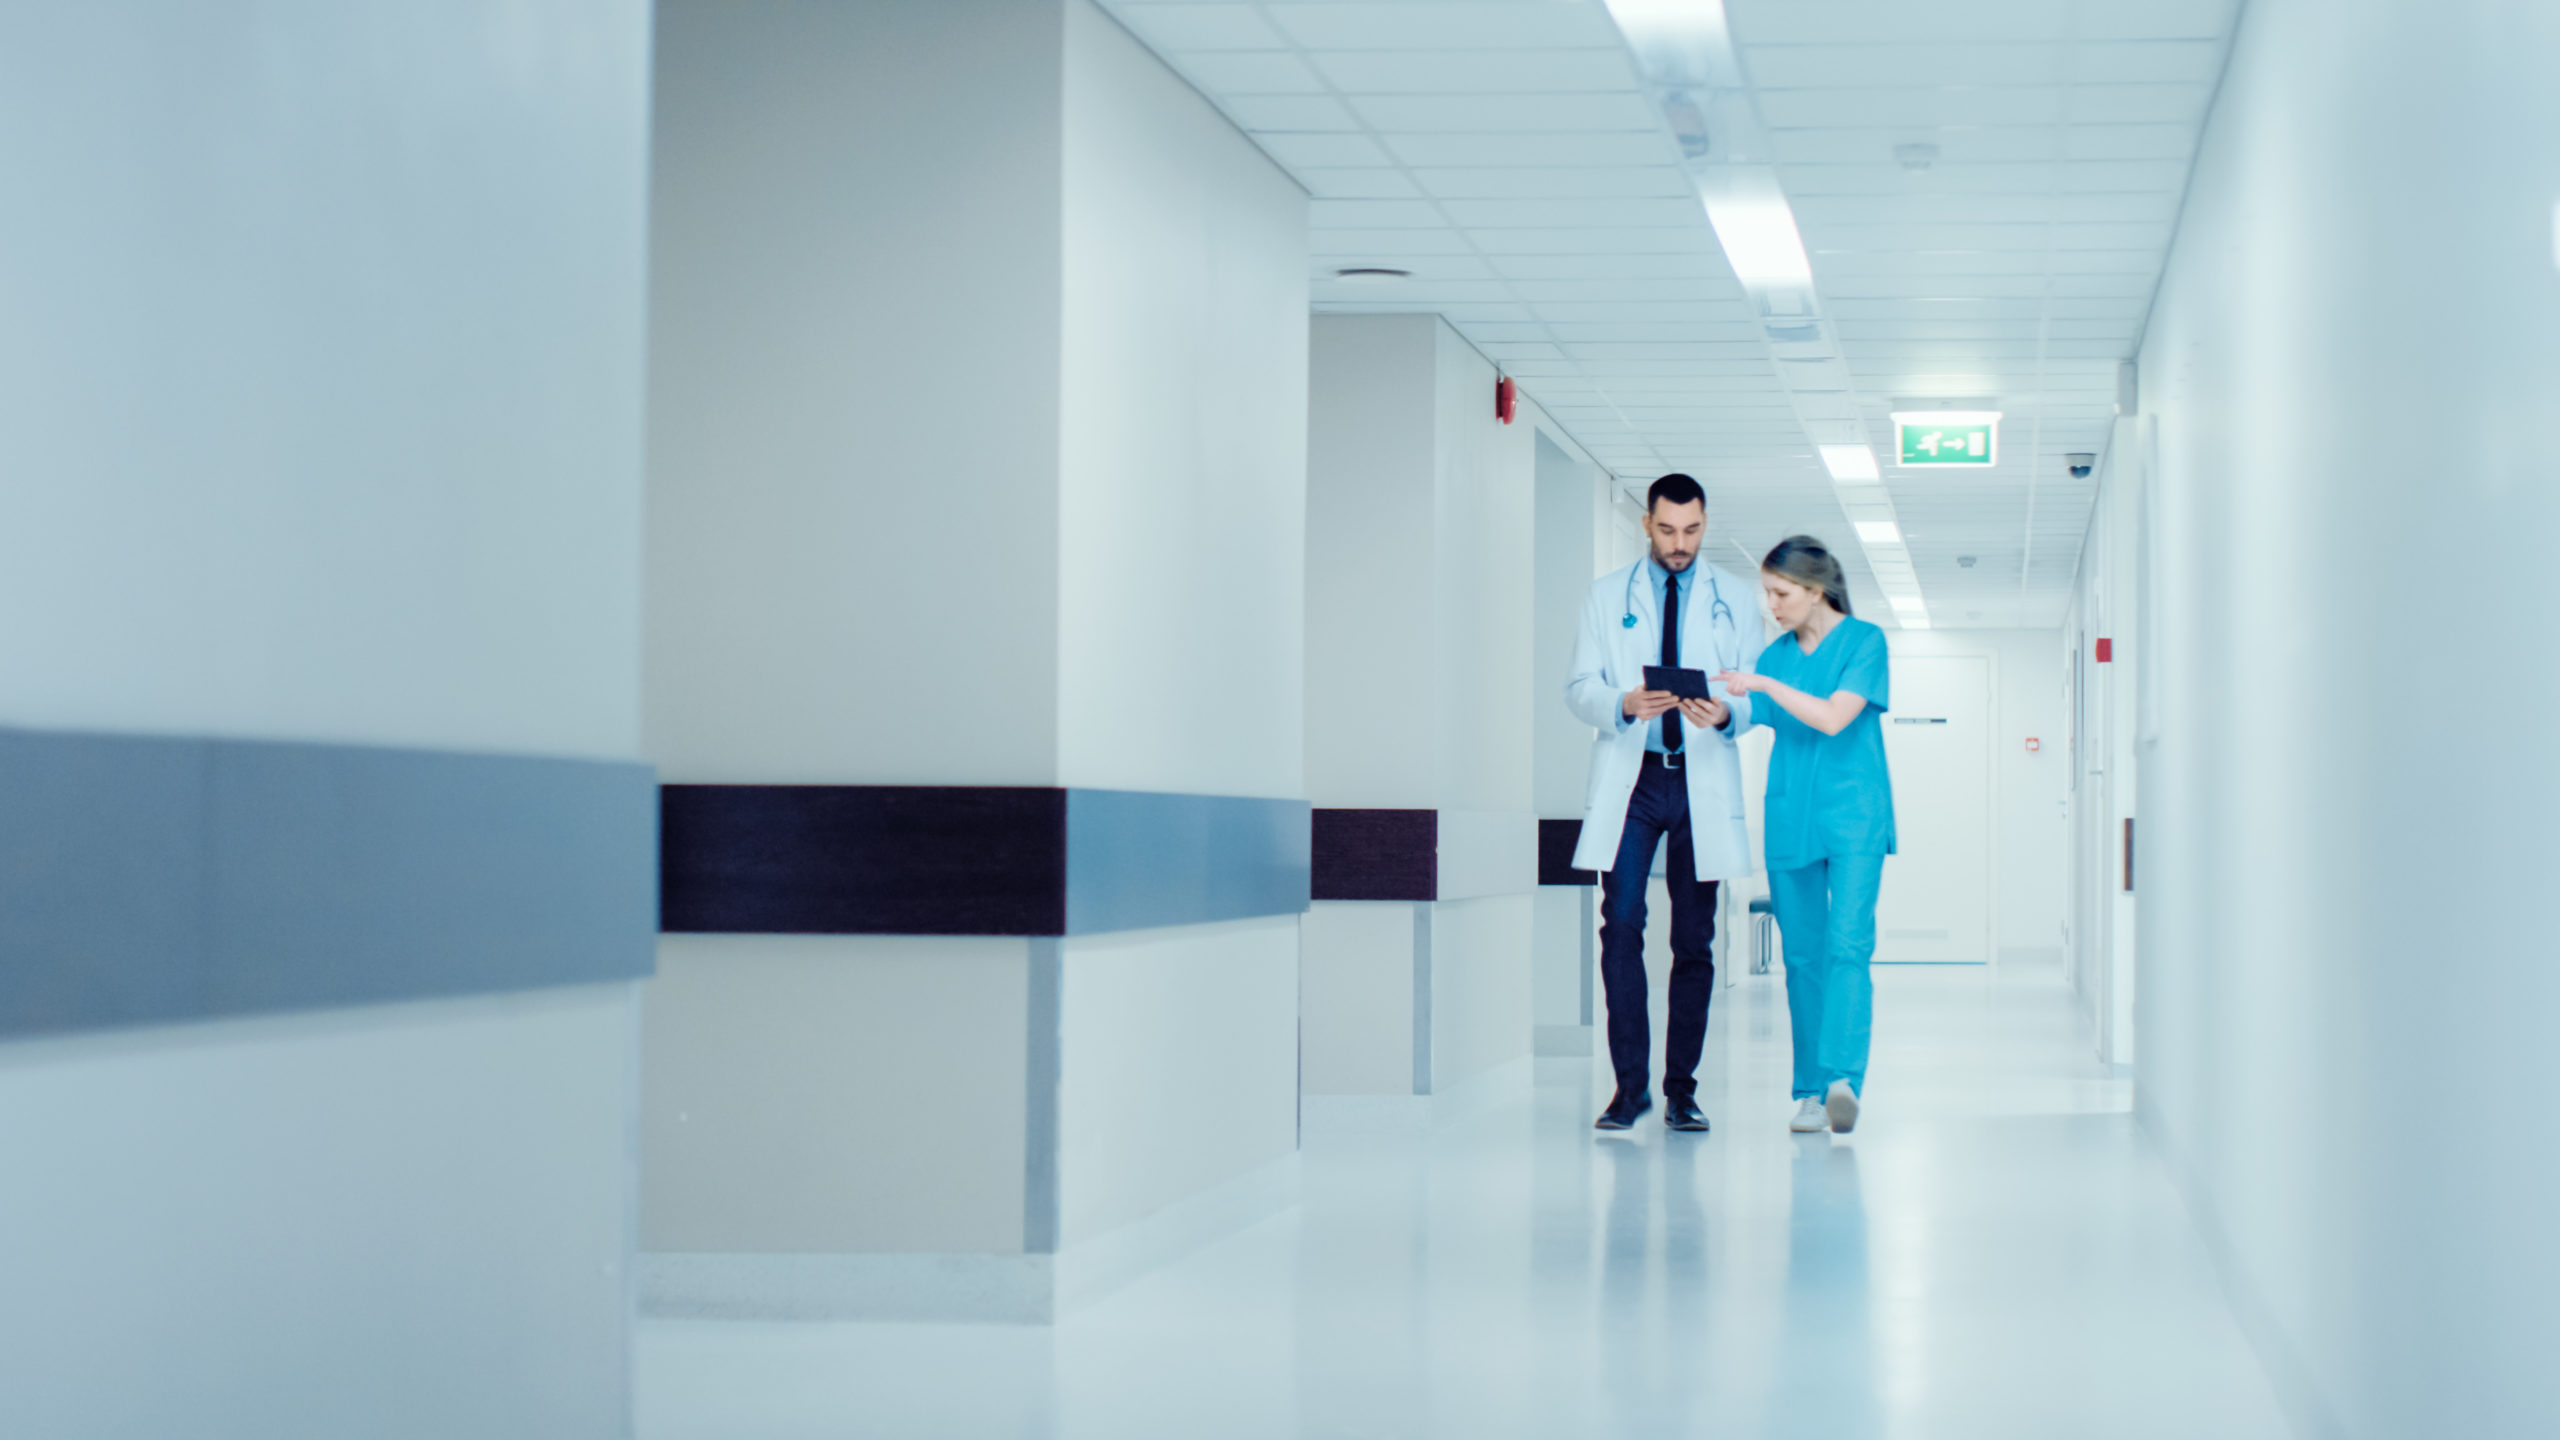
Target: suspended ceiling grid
[[1507, 153]]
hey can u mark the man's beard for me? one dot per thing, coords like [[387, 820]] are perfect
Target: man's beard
[[1665, 561]]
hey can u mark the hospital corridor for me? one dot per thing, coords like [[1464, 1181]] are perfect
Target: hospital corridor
[[1279, 719]]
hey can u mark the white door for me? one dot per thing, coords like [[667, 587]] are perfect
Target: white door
[[1936, 904]]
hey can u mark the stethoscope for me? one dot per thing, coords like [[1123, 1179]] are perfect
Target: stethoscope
[[1717, 610]]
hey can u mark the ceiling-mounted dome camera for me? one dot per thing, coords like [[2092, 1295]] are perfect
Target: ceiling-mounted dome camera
[[2081, 463]]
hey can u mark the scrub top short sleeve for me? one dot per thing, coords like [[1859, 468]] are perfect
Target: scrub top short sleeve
[[1829, 795], [1864, 670]]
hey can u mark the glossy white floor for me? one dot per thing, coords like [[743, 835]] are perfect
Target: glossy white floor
[[1995, 1253]]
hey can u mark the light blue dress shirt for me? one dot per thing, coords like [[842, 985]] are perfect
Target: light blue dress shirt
[[1661, 580]]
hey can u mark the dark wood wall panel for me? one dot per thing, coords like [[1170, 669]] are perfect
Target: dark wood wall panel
[[863, 859], [1556, 839], [1376, 855]]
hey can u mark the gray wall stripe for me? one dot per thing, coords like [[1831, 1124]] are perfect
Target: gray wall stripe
[[148, 880], [1422, 998], [1043, 1063], [1139, 860]]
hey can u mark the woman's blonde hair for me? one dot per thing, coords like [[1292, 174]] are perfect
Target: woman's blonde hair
[[1810, 563]]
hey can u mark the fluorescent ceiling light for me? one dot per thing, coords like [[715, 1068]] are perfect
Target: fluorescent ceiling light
[[1880, 532], [1758, 233], [1679, 43], [1683, 14], [1910, 603], [1946, 417], [1849, 462]]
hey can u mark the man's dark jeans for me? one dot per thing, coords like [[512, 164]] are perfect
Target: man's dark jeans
[[1659, 807]]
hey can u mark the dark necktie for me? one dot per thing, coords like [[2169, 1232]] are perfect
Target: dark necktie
[[1671, 658]]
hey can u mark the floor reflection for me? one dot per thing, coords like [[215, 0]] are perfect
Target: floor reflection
[[1995, 1255], [1829, 1363]]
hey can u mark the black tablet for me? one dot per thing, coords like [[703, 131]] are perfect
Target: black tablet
[[1687, 684]]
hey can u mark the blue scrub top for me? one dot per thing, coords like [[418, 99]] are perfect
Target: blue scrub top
[[1829, 795]]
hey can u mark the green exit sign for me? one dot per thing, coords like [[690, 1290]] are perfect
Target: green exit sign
[[1953, 438]]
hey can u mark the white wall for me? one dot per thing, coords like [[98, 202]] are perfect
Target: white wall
[[1570, 490], [1180, 1055], [1421, 688], [1572, 522], [1182, 461], [1356, 998], [320, 412], [205, 1221], [1480, 723], [2104, 757], [2345, 969], [855, 331], [777, 1122], [2030, 840], [1371, 555], [320, 386], [1480, 963]]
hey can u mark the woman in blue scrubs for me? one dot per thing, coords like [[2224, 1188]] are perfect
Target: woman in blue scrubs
[[1829, 821]]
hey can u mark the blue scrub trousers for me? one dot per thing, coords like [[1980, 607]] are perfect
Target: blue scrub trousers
[[1827, 918]]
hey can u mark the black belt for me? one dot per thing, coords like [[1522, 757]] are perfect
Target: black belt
[[1676, 760]]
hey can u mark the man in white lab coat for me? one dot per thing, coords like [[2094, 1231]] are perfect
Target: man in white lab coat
[[1662, 767]]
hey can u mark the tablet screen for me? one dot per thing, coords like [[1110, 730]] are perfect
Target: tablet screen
[[1687, 684]]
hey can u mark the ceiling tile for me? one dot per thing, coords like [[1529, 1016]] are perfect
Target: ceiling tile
[[1480, 183], [1361, 184], [2196, 62], [1288, 112], [1990, 144], [1373, 214], [1995, 22], [1199, 26], [1681, 212], [2153, 19], [1355, 247], [1383, 25], [1297, 151], [1901, 106], [2128, 142], [1507, 114], [1597, 149], [1671, 240], [2139, 104], [1251, 72], [1461, 72], [1800, 66]]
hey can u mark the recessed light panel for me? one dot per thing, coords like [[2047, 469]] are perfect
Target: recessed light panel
[[1850, 462]]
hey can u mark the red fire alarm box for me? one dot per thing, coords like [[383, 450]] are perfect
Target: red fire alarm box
[[2106, 651], [1506, 400], [2034, 745]]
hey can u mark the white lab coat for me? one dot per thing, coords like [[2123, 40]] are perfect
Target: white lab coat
[[1609, 657]]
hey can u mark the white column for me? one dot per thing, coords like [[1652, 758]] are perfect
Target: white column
[[320, 425], [978, 426], [1419, 685]]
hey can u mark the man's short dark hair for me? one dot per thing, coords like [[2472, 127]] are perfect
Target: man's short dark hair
[[1677, 488]]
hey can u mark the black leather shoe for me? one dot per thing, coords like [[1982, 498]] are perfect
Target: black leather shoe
[[1623, 1110], [1681, 1112]]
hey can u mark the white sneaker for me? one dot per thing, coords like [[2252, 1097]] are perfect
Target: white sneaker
[[1810, 1120], [1841, 1105]]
